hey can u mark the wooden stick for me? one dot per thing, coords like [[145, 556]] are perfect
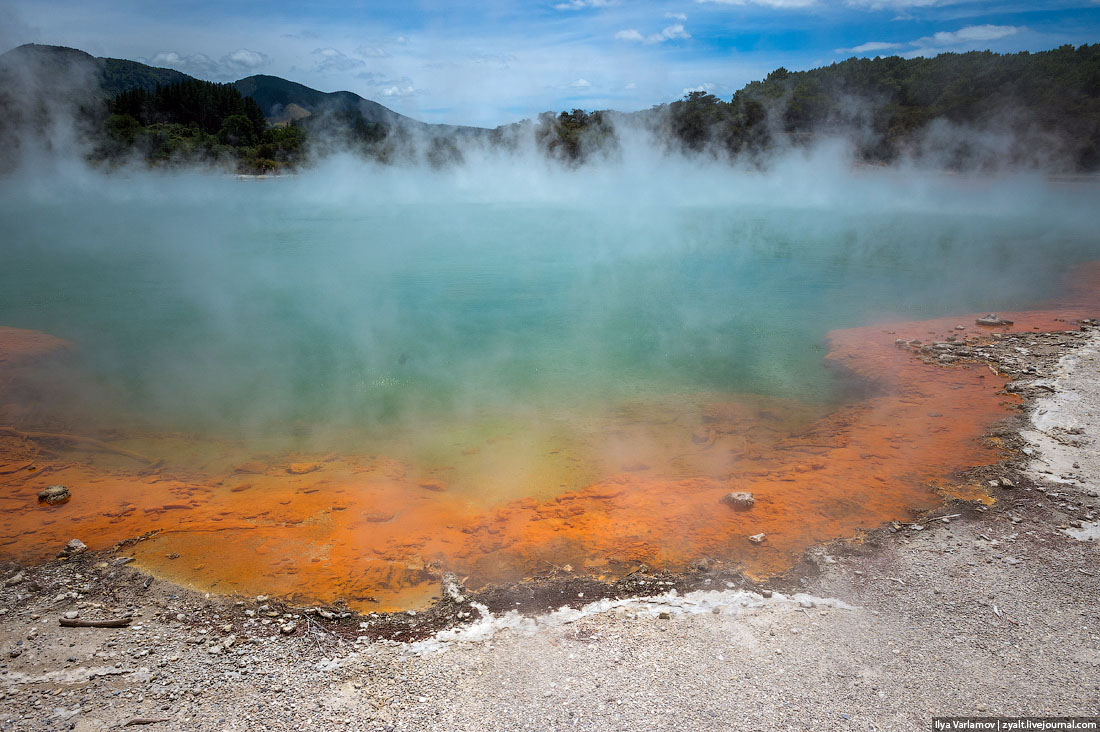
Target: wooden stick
[[90, 442], [145, 720], [78, 623]]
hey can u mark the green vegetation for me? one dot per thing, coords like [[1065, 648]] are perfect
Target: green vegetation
[[1049, 103], [573, 136], [120, 75], [969, 110], [197, 121], [1030, 108]]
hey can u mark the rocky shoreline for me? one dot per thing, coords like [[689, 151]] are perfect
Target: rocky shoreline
[[967, 609]]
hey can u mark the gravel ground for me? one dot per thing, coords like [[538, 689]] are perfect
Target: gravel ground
[[988, 612]]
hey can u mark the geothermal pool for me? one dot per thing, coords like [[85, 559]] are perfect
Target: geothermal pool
[[339, 385]]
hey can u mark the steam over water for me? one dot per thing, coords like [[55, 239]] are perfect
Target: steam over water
[[426, 315], [363, 298]]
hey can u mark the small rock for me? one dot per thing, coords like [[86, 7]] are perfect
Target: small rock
[[758, 538], [72, 615], [664, 615], [74, 547], [287, 628], [1006, 483], [54, 495], [302, 468], [14, 579], [766, 593], [739, 500], [992, 319]]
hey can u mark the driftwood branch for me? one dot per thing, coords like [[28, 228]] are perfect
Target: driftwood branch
[[78, 623], [75, 440], [145, 720]]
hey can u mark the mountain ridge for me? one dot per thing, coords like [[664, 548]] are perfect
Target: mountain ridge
[[273, 93]]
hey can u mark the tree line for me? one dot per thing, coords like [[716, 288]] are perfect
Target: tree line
[[1040, 106], [193, 121]]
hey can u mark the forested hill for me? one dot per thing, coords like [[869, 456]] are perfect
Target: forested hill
[[1053, 94], [61, 65], [126, 109], [978, 108], [964, 111], [274, 95]]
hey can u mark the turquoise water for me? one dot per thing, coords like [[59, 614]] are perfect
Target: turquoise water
[[366, 300]]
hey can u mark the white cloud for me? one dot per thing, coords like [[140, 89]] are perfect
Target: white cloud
[[706, 86], [965, 38], [582, 4], [968, 34], [682, 16], [399, 91], [898, 4], [672, 32], [870, 46], [779, 4], [581, 84], [329, 60], [171, 58], [232, 65], [245, 59]]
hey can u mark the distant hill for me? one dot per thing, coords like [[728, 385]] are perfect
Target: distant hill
[[35, 68], [964, 111], [58, 63], [274, 95]]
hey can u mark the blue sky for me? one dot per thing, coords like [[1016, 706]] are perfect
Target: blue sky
[[493, 62]]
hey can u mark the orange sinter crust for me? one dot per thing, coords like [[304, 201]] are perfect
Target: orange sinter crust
[[377, 531]]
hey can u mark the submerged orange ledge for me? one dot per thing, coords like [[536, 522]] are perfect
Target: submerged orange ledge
[[377, 533]]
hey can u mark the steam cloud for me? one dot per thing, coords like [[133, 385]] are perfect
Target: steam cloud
[[472, 279]]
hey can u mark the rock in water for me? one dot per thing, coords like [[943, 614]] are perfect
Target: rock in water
[[74, 547], [992, 319], [54, 495], [758, 538], [302, 468], [739, 500]]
